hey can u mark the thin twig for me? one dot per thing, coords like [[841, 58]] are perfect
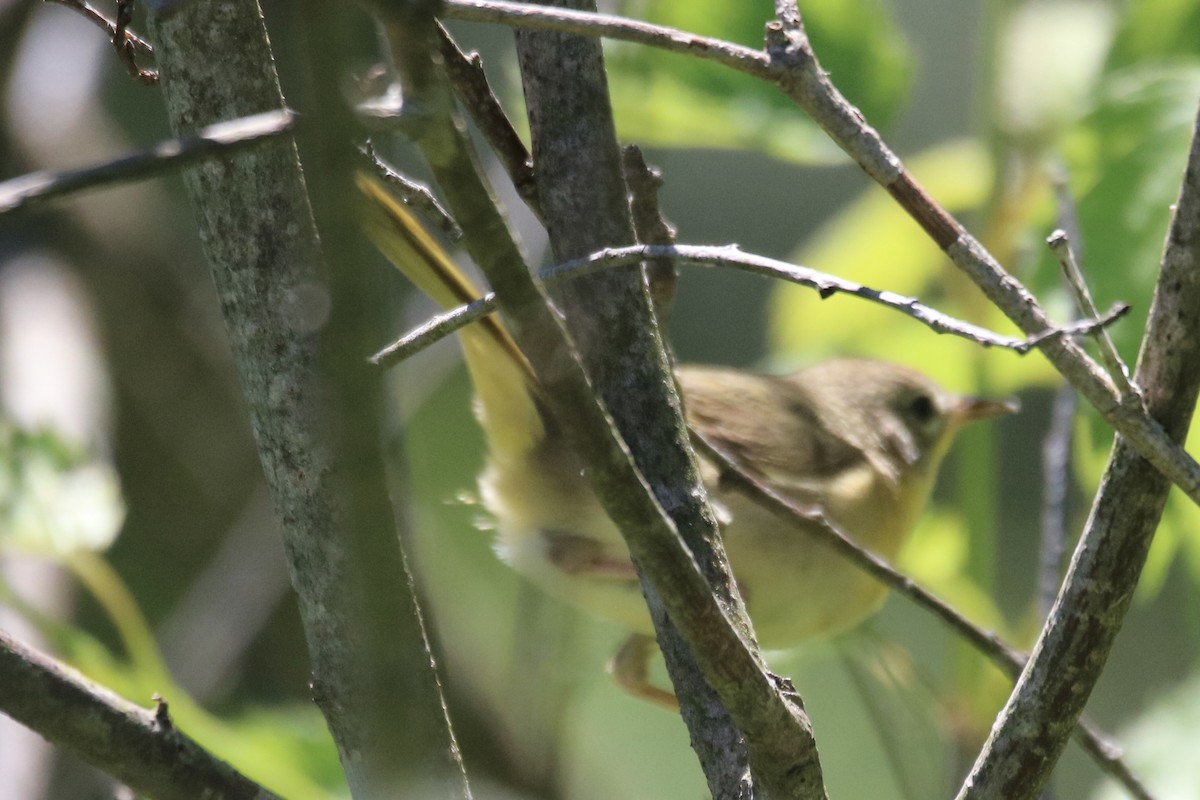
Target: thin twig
[[88, 12], [416, 195], [1003, 655], [472, 89], [651, 227], [1060, 245], [126, 49], [34, 188], [584, 23], [731, 257]]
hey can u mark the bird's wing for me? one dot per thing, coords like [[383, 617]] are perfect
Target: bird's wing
[[796, 452]]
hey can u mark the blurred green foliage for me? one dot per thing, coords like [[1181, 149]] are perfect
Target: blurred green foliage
[[664, 100]]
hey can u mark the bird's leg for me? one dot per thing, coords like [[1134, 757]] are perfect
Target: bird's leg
[[630, 668]]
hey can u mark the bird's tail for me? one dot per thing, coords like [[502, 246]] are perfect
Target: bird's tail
[[505, 388]]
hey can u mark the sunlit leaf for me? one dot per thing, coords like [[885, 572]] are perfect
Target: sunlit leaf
[[1126, 161], [1156, 30]]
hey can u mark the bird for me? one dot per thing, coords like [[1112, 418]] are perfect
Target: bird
[[859, 439]]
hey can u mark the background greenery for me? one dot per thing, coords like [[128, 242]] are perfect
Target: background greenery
[[987, 101]]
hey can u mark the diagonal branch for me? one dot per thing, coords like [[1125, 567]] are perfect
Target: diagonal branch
[[1032, 728], [610, 316], [140, 748], [471, 86], [1006, 657]]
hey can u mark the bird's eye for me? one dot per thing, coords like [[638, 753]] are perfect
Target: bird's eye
[[922, 408]]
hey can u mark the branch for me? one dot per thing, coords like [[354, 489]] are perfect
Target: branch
[[790, 64], [30, 190], [140, 748], [127, 43], [610, 316], [730, 257], [1060, 245], [471, 86], [585, 23], [94, 16], [314, 415], [1056, 469], [651, 228], [1030, 732], [1006, 657], [415, 195]]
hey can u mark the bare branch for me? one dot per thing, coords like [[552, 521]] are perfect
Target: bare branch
[[610, 317], [1056, 456], [586, 23], [91, 14], [140, 748], [34, 188], [416, 195], [1006, 657], [651, 227], [1060, 245], [123, 42], [471, 86], [1031, 730], [730, 256]]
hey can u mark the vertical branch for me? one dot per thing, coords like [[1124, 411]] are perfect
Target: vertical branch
[[1056, 465], [313, 409], [577, 166], [1070, 654]]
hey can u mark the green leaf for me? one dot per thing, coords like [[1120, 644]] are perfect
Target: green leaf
[[662, 99], [1156, 30], [1126, 161]]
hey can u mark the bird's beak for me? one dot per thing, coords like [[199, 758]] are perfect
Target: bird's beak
[[970, 409]]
